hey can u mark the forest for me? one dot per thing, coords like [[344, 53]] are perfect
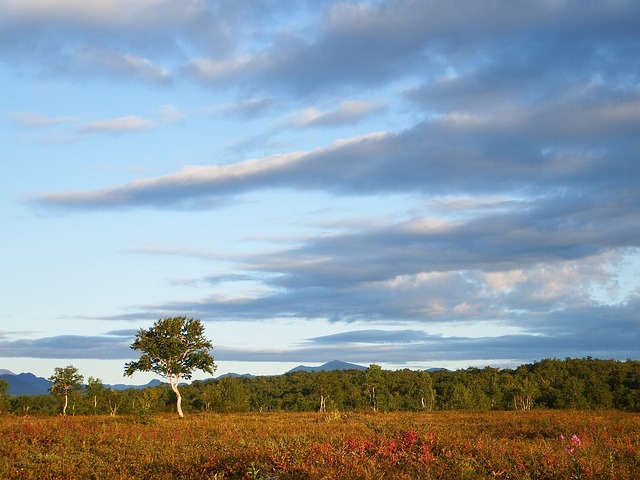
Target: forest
[[546, 384]]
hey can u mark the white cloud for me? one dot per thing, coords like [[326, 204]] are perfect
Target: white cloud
[[37, 119], [348, 112], [131, 123], [121, 64], [209, 70], [102, 12]]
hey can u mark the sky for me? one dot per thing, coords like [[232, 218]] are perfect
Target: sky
[[410, 183]]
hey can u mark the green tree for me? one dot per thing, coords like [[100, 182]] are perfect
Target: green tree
[[4, 387], [374, 383], [114, 401], [4, 401], [173, 348], [424, 391], [95, 391], [230, 395], [65, 380], [323, 387]]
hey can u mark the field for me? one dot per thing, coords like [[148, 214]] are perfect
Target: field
[[430, 445]]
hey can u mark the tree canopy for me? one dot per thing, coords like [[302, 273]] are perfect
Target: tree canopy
[[174, 347], [65, 380], [548, 384]]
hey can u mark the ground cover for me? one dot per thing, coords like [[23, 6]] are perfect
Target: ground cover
[[429, 445]]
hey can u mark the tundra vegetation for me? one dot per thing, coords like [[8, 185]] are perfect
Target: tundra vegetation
[[534, 444]]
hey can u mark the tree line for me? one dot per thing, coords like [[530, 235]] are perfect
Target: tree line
[[175, 347], [549, 384]]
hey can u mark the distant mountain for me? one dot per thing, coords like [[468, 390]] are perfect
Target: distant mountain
[[26, 384], [29, 384], [333, 365], [121, 386], [235, 375], [6, 372]]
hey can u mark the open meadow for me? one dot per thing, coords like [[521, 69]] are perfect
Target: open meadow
[[538, 444]]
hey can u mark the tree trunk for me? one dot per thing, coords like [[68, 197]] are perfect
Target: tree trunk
[[113, 408], [323, 403], [174, 387], [64, 407], [374, 402]]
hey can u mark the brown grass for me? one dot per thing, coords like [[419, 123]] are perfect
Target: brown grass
[[437, 445]]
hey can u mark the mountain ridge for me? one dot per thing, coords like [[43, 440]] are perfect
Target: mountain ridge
[[329, 366], [27, 383]]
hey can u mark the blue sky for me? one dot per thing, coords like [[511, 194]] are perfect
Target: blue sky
[[409, 183]]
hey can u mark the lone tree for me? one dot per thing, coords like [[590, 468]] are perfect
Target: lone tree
[[65, 380], [173, 348]]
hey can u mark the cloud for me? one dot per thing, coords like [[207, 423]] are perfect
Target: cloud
[[68, 346], [360, 45], [131, 123], [120, 64], [602, 338], [417, 347], [127, 333], [307, 48], [65, 129], [519, 155], [38, 120], [246, 109], [142, 41], [527, 150], [348, 112], [533, 268]]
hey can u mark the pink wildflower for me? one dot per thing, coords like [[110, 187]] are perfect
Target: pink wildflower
[[575, 440]]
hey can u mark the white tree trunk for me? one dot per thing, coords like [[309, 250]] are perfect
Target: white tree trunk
[[64, 407], [323, 403], [174, 387], [113, 408]]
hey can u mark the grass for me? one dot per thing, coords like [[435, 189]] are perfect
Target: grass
[[437, 445]]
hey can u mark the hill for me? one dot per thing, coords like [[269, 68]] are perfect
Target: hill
[[26, 384], [29, 384], [333, 365]]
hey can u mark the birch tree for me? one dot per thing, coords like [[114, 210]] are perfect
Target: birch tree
[[95, 390], [65, 380], [173, 348]]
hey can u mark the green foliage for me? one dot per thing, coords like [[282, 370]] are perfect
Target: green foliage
[[548, 384], [4, 400], [66, 380], [172, 348], [95, 394]]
